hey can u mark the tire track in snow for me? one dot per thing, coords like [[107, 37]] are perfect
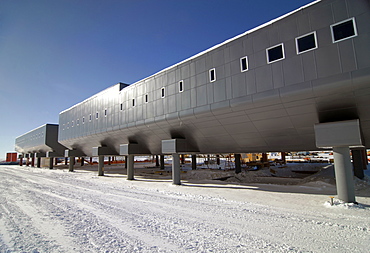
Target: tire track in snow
[[183, 222]]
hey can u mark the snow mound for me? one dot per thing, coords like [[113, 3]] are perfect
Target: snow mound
[[337, 203]]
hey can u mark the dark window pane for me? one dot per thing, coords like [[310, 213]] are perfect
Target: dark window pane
[[306, 43], [275, 53], [244, 64], [181, 88], [343, 30], [212, 75]]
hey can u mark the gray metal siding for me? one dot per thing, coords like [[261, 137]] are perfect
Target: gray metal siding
[[39, 140], [308, 79]]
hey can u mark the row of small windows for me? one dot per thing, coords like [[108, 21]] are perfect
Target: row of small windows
[[34, 136], [340, 31]]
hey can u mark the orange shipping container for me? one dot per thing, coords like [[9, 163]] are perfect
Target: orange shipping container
[[11, 157]]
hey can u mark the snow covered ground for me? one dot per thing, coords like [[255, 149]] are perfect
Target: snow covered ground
[[45, 210]]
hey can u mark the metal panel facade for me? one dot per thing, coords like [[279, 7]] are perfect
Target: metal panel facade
[[39, 140], [274, 106]]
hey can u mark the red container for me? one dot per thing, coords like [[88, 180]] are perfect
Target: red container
[[11, 157]]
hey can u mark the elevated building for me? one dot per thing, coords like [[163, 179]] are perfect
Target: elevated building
[[40, 142], [298, 82]]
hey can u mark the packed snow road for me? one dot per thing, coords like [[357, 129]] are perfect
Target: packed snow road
[[56, 211]]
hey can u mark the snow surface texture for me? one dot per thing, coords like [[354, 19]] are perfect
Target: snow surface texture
[[45, 210]]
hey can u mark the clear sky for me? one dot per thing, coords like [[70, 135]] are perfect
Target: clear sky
[[56, 53]]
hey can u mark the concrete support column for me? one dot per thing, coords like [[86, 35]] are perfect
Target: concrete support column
[[176, 179], [71, 163], [162, 162], [126, 158], [238, 167], [344, 174], [101, 166], [130, 167], [358, 163], [193, 162], [51, 162], [33, 161]]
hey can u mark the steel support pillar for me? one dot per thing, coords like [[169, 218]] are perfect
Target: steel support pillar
[[51, 162], [101, 166], [130, 167], [358, 163], [157, 160], [38, 162], [71, 163], [366, 161], [193, 162], [162, 162], [176, 179], [344, 174], [283, 158], [238, 167]]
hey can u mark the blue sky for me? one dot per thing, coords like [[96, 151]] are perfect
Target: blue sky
[[56, 53]]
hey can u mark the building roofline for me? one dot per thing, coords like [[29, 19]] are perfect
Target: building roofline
[[203, 52]]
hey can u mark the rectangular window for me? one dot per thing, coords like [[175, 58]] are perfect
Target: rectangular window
[[275, 53], [212, 75], [97, 115], [83, 120], [90, 117], [78, 122], [306, 43], [121, 106], [146, 98], [133, 102], [72, 123], [343, 30], [162, 93], [181, 86], [244, 64], [105, 112]]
